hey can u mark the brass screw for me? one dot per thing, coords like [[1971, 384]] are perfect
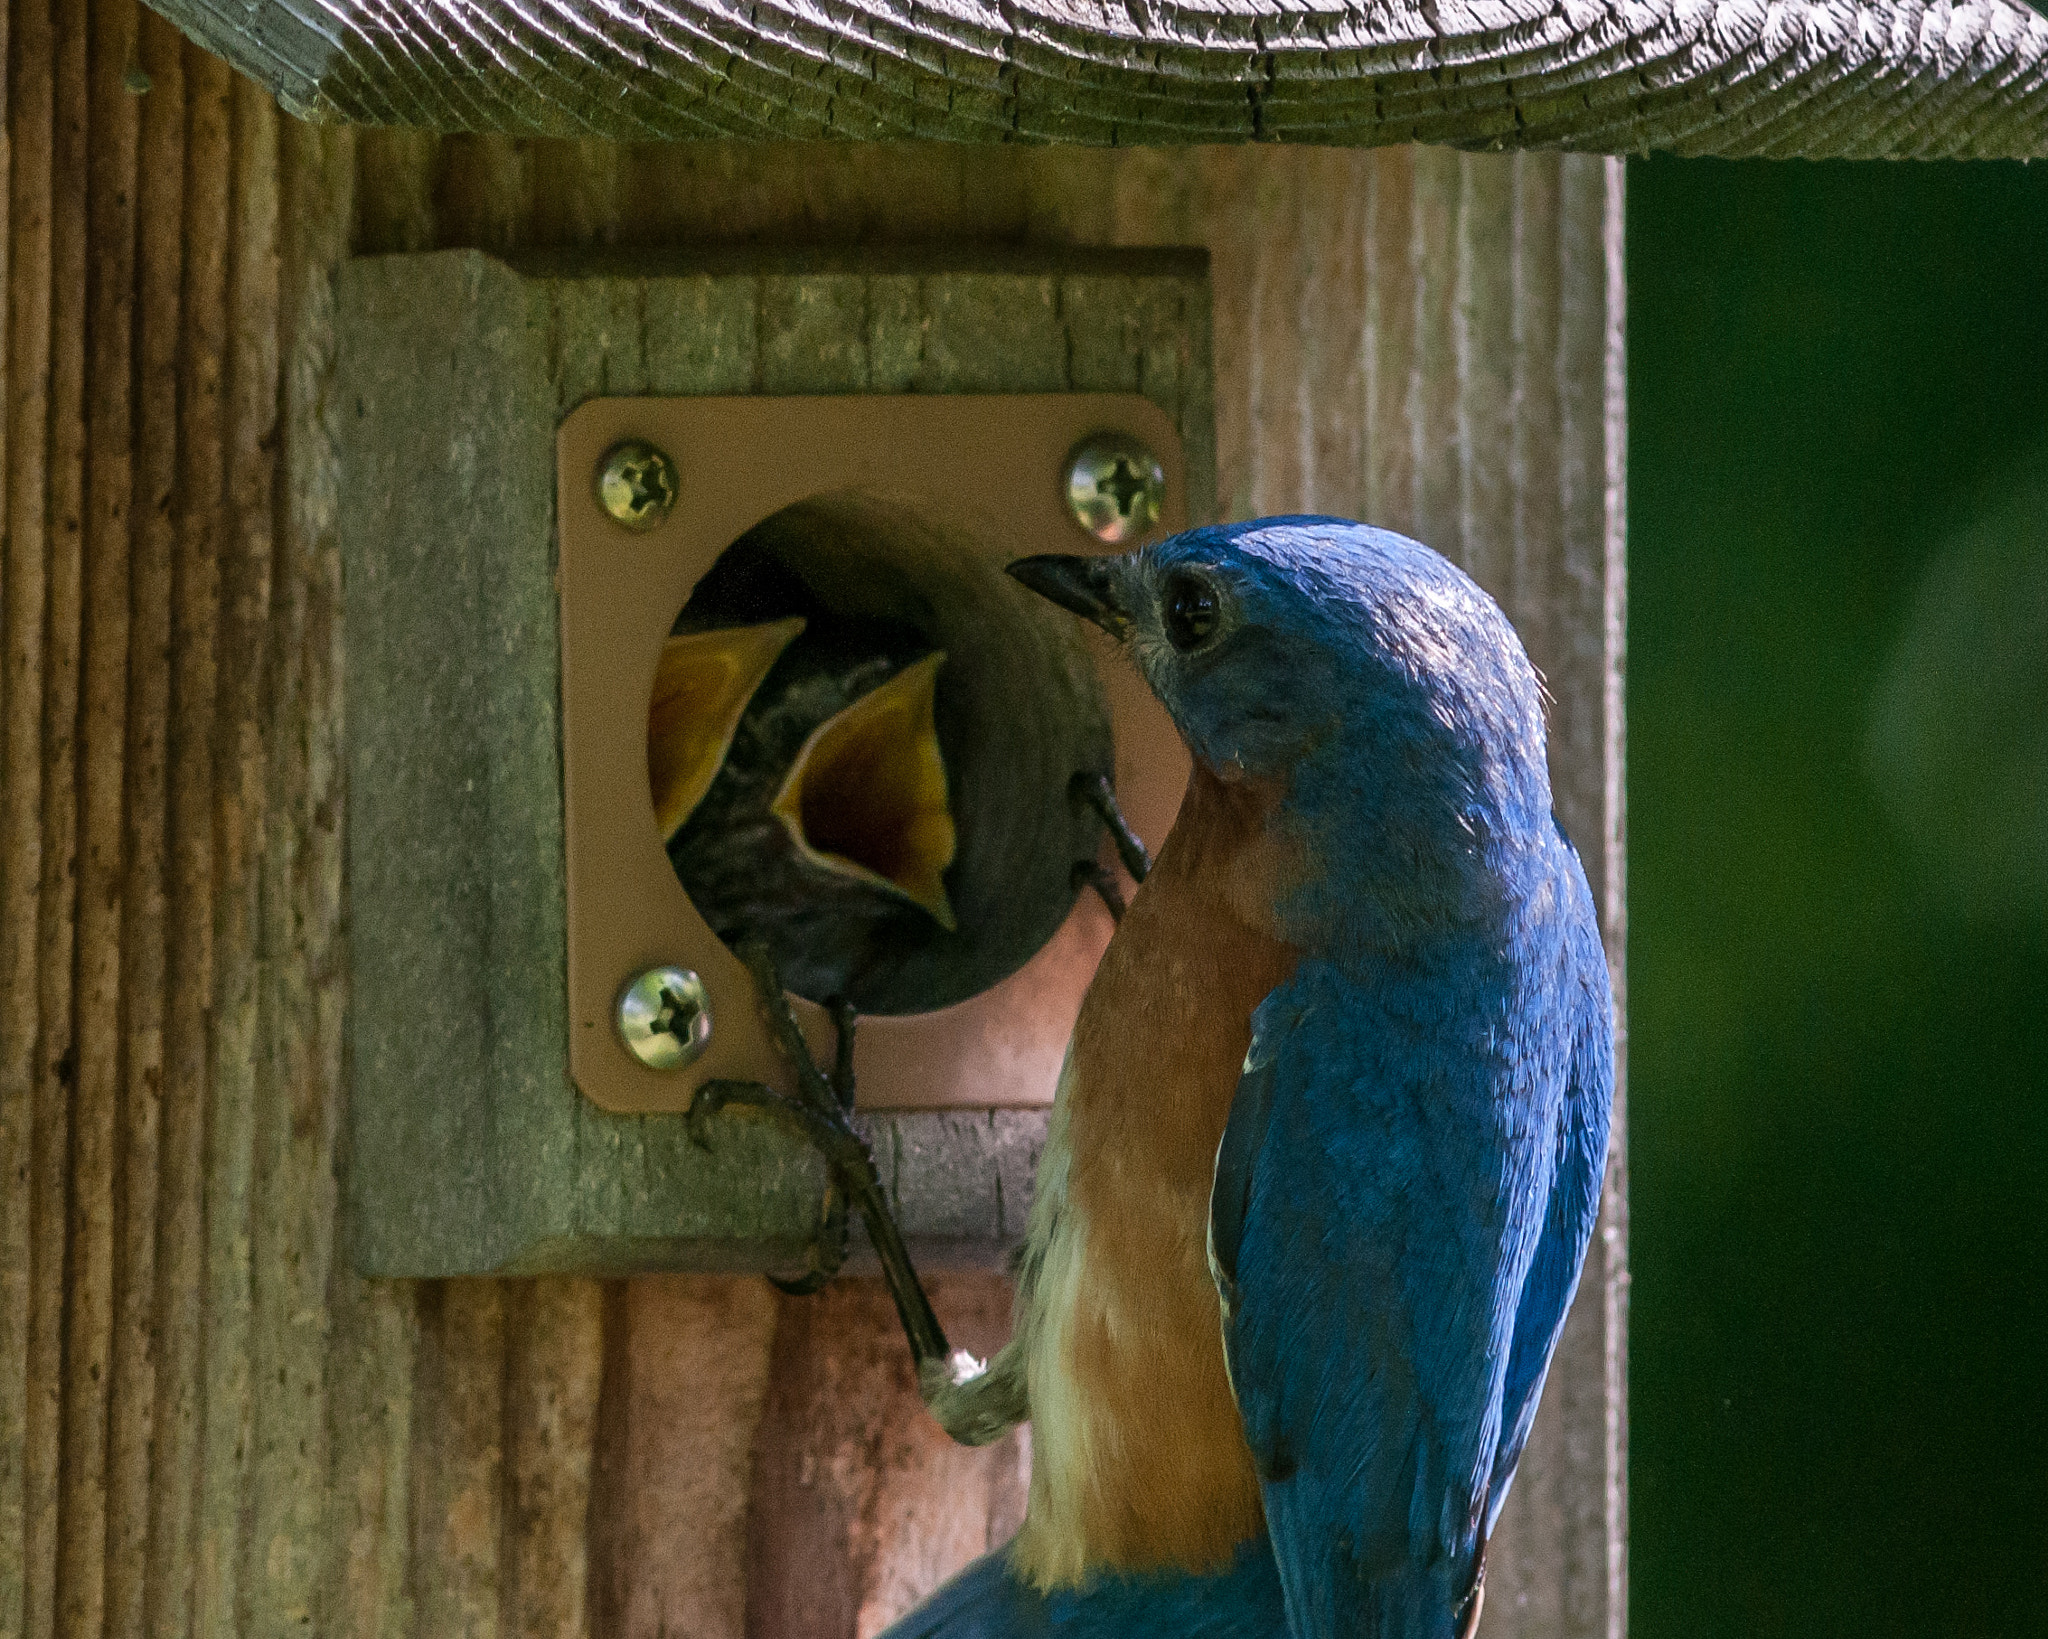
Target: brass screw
[[1114, 487], [636, 484]]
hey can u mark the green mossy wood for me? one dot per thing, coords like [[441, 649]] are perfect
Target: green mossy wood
[[472, 1152], [1818, 78]]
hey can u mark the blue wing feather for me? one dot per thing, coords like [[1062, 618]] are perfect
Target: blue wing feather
[[1230, 1195], [1398, 1217], [1567, 1230]]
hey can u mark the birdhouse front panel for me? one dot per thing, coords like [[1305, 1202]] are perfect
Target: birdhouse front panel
[[687, 644]]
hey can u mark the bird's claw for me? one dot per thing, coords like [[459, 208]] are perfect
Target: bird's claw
[[821, 1111], [1088, 873], [1096, 793], [828, 1129], [828, 1249], [835, 1140]]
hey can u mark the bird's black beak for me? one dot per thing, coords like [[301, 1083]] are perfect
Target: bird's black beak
[[1088, 586]]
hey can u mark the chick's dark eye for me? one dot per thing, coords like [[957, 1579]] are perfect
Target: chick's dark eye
[[1190, 610]]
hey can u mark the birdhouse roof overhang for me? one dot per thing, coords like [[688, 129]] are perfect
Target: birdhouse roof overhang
[[1769, 78]]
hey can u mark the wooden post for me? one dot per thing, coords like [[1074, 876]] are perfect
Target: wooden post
[[1427, 339]]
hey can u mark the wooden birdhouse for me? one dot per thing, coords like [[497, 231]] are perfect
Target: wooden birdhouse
[[447, 441]]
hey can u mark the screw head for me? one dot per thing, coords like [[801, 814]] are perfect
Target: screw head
[[636, 484], [664, 1017], [1114, 486]]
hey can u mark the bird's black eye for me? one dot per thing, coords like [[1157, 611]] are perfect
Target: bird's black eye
[[1190, 610]]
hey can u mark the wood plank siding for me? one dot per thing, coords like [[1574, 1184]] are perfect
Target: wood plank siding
[[208, 1425]]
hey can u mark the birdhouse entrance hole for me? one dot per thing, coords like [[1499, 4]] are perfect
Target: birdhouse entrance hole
[[860, 746]]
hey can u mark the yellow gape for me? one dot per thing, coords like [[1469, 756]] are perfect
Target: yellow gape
[[701, 688], [867, 794]]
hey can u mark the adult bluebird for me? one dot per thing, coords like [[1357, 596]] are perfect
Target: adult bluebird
[[1328, 1145]]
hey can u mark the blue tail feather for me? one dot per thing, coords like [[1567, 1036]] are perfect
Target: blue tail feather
[[986, 1601]]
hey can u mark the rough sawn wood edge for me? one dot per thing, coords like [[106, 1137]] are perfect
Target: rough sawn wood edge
[[1811, 78]]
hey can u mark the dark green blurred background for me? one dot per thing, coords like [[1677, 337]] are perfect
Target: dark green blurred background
[[1838, 950]]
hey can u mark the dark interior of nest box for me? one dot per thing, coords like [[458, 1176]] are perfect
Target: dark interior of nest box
[[815, 867]]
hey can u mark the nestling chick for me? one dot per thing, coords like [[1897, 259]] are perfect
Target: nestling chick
[[799, 782]]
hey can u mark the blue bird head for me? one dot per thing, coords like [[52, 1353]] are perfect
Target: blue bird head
[[1362, 677]]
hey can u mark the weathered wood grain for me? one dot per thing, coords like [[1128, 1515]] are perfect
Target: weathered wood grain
[[860, 1503], [24, 342], [672, 1493], [1812, 77], [108, 478], [555, 1332], [458, 1439], [366, 1590], [241, 770], [160, 200], [58, 526], [200, 516], [300, 929]]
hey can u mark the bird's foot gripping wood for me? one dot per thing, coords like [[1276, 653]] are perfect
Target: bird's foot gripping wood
[[1096, 792], [822, 1112], [972, 1401]]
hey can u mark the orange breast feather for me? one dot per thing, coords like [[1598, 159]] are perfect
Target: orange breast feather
[[1138, 1454]]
